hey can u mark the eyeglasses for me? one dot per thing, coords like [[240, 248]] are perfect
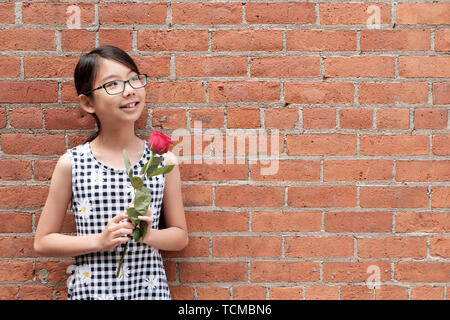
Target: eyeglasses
[[118, 86]]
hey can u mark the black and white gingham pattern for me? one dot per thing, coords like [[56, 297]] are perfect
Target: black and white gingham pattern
[[98, 194]]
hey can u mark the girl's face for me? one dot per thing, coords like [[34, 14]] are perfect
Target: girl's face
[[118, 108]]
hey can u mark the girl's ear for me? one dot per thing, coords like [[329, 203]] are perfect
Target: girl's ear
[[86, 104]]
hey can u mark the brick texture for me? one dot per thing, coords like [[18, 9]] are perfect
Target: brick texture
[[313, 140]]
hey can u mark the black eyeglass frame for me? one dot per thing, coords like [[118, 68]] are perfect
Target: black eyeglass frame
[[124, 82]]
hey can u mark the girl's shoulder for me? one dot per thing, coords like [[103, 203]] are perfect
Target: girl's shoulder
[[171, 158]]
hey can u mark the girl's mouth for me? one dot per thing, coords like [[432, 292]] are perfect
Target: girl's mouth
[[130, 105]]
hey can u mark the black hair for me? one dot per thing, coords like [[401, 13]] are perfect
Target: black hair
[[87, 69]]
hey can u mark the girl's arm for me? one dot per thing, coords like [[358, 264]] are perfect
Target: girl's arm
[[50, 242], [174, 237]]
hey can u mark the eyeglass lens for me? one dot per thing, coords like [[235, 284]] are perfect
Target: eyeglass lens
[[117, 86]]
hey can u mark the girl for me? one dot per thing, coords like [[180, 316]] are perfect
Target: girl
[[93, 178]]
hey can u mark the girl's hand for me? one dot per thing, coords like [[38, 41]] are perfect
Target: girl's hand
[[148, 219], [113, 232]]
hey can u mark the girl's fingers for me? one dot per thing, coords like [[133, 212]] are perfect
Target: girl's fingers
[[145, 218]]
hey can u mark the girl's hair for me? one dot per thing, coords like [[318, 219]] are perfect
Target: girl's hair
[[87, 69]]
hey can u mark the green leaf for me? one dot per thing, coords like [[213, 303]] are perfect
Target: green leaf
[[159, 171], [142, 200], [143, 227], [136, 182], [127, 163], [133, 215], [137, 234]]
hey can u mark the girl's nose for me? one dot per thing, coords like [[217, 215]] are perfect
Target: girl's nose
[[128, 89]]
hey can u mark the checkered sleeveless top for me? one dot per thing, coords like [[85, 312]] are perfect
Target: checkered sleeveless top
[[98, 194]]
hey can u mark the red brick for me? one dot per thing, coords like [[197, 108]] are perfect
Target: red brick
[[356, 293], [288, 170], [427, 293], [393, 197], [233, 271], [359, 66], [393, 118], [172, 40], [315, 247], [442, 40], [239, 91], [26, 118], [437, 170], [319, 118], [10, 65], [352, 13], [356, 222], [180, 91], [284, 271], [211, 66], [7, 12], [394, 145], [354, 272], [430, 118], [23, 196], [49, 66], [15, 222], [117, 37], [285, 67], [16, 247], [2, 117], [422, 13], [395, 40], [154, 65], [213, 293], [440, 197], [16, 271], [15, 169], [43, 169], [245, 246], [28, 91], [321, 144], [211, 172], [426, 271], [181, 292], [52, 271], [249, 293], [393, 92], [440, 247], [322, 196], [318, 92], [243, 117], [440, 144], [322, 293], [9, 292], [55, 13], [132, 13], [281, 118], [226, 221], [392, 247], [35, 292], [320, 40], [209, 117], [41, 144], [247, 40], [280, 13], [391, 293], [357, 170], [441, 93], [77, 40], [306, 221], [197, 247], [193, 195], [286, 293], [249, 196], [355, 118], [68, 119], [431, 222], [424, 66], [27, 39], [206, 13]]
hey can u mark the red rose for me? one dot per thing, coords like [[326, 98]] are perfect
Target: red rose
[[160, 141]]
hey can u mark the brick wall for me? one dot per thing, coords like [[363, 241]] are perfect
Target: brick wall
[[357, 122]]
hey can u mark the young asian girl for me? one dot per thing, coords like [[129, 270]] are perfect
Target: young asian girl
[[92, 178]]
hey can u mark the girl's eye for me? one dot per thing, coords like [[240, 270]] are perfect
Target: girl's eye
[[112, 84]]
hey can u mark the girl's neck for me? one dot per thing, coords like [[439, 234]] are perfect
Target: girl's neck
[[115, 140]]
